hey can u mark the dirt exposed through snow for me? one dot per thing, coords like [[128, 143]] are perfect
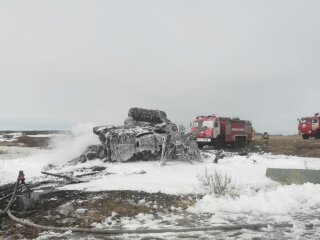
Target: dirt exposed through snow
[[82, 209]]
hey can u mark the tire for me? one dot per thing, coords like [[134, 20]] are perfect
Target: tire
[[236, 143], [239, 142], [243, 143], [200, 145], [317, 135], [218, 143], [305, 136]]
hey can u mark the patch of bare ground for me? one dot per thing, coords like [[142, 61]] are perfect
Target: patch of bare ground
[[26, 141], [82, 209], [2, 152], [292, 145]]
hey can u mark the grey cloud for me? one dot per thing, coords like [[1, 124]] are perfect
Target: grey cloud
[[67, 62]]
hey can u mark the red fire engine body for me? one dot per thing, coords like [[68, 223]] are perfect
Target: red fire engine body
[[309, 126], [222, 131]]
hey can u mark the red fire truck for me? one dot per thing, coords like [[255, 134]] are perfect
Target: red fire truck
[[222, 131], [309, 126]]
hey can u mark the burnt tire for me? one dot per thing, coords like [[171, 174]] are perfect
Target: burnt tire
[[146, 115], [305, 136]]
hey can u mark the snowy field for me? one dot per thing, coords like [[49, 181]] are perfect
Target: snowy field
[[259, 199]]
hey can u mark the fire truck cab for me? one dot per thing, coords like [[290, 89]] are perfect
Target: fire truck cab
[[310, 126]]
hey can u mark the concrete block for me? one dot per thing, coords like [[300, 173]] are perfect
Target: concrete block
[[294, 176]]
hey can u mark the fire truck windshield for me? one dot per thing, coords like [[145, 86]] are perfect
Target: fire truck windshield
[[306, 120], [208, 124], [198, 124]]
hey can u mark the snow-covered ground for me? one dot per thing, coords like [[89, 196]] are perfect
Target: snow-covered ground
[[15, 152], [259, 198]]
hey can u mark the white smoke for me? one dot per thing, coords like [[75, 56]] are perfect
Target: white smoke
[[69, 146], [64, 148]]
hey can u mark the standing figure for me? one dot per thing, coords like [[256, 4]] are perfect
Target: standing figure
[[265, 139]]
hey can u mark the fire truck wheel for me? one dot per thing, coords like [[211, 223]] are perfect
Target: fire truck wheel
[[317, 136], [239, 142], [218, 144], [305, 136], [236, 144], [200, 145], [243, 143]]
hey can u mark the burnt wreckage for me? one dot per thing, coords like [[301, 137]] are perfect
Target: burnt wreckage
[[145, 135]]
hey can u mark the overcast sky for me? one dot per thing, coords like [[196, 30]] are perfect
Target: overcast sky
[[68, 62]]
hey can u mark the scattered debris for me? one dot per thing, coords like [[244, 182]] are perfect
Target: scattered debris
[[138, 172], [219, 155], [67, 179], [98, 168]]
